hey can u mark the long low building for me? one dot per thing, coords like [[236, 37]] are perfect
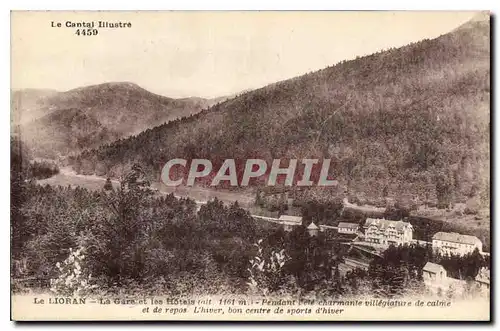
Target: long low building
[[345, 227], [290, 222], [453, 243]]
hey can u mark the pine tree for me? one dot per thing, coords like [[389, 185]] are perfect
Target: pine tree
[[337, 279], [108, 186], [444, 190], [385, 191]]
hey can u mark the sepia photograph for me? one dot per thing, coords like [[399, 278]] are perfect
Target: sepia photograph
[[250, 165]]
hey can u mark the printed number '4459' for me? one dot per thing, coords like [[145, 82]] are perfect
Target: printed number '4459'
[[86, 32]]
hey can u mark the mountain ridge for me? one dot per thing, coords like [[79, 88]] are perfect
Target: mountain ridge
[[406, 118], [118, 108]]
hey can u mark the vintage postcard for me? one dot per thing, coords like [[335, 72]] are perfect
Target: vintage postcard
[[250, 166]]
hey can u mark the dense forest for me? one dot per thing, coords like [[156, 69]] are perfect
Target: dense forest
[[23, 164], [63, 132], [135, 243], [127, 239], [412, 120]]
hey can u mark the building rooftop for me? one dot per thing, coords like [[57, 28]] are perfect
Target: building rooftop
[[457, 238], [312, 226], [344, 236], [433, 267], [291, 219], [323, 226], [383, 224], [348, 225]]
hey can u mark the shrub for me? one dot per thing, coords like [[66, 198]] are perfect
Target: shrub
[[266, 270], [73, 279]]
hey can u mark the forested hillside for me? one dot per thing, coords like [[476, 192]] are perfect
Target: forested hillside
[[65, 131], [27, 104], [415, 119], [56, 123]]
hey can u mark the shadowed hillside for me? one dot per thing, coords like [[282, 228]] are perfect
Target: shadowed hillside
[[52, 122], [27, 104], [414, 119], [65, 131]]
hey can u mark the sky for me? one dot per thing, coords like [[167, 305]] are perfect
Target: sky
[[205, 54]]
